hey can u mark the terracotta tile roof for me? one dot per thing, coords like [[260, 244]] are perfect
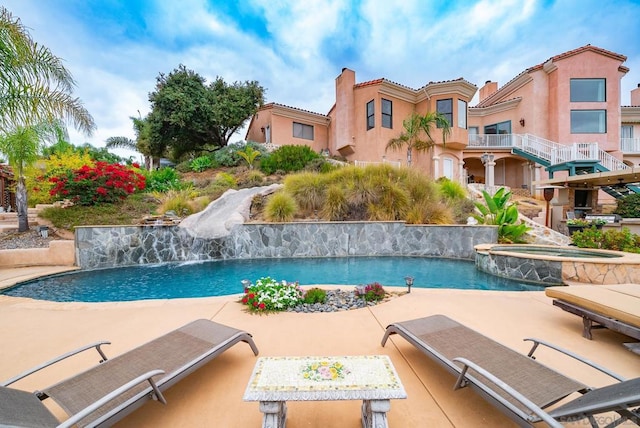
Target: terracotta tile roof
[[494, 104], [272, 105], [368, 83], [459, 79]]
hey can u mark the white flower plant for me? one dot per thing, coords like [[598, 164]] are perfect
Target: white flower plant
[[267, 294]]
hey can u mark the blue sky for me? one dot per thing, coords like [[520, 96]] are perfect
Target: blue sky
[[115, 49]]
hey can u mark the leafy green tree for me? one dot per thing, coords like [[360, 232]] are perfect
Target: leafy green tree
[[417, 133], [35, 94], [189, 116]]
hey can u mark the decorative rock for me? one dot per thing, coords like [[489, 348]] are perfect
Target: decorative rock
[[337, 300]]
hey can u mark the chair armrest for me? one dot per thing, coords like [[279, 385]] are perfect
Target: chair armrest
[[115, 394], [24, 374], [544, 416], [573, 355]]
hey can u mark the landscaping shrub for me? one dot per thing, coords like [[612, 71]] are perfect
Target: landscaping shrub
[[372, 292], [162, 180], [587, 238], [308, 189], [230, 156], [451, 189], [315, 295], [629, 206], [618, 240], [288, 159], [267, 294], [184, 166], [254, 178], [281, 207], [226, 180], [37, 176], [201, 163], [335, 206], [101, 183]]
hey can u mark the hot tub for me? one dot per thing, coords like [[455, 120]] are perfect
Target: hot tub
[[555, 265]]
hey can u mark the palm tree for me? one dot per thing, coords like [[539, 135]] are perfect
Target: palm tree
[[35, 86], [35, 94], [141, 143], [22, 147], [415, 127]]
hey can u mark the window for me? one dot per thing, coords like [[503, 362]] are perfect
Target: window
[[445, 108], [588, 90], [371, 119], [498, 128], [626, 131], [473, 130], [588, 121], [447, 168], [387, 115], [462, 114], [300, 130]]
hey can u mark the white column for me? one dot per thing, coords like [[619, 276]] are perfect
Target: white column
[[491, 173], [436, 167], [536, 177], [462, 173]]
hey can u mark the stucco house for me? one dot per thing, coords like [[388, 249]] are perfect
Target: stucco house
[[561, 117]]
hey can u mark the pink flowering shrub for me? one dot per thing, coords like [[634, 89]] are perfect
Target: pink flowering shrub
[[372, 292]]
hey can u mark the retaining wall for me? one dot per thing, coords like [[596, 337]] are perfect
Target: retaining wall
[[107, 247]]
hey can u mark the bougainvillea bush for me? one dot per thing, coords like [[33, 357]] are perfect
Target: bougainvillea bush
[[101, 183], [267, 294]]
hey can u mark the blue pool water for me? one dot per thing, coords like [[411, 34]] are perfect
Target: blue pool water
[[220, 278]]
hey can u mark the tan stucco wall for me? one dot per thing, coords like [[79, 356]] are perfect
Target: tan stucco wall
[[588, 65], [59, 253]]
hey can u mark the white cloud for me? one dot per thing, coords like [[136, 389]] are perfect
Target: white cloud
[[307, 43]]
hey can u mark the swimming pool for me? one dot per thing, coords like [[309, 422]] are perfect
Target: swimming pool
[[220, 278]]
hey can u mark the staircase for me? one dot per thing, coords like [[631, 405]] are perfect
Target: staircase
[[9, 220], [578, 158]]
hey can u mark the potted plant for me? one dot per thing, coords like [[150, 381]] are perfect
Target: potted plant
[[579, 224]]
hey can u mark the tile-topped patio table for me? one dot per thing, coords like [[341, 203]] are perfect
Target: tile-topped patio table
[[372, 379]]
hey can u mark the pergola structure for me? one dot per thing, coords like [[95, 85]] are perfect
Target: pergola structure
[[7, 193]]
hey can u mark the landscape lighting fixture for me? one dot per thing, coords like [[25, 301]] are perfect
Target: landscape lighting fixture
[[409, 281]]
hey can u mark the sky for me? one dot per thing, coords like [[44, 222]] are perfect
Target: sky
[[115, 49]]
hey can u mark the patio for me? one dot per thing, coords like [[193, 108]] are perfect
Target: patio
[[35, 331]]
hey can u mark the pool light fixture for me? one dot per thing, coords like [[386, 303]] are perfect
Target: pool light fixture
[[360, 290], [246, 283], [409, 281]]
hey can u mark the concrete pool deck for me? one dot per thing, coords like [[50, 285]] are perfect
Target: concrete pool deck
[[34, 331]]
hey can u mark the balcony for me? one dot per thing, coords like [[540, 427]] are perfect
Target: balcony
[[630, 145]]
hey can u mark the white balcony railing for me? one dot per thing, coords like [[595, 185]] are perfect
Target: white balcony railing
[[550, 151], [630, 145]]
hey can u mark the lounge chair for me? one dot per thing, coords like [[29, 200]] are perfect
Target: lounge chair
[[115, 387], [616, 307], [517, 384]]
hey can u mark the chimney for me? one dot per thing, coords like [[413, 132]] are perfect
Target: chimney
[[635, 96], [488, 89]]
